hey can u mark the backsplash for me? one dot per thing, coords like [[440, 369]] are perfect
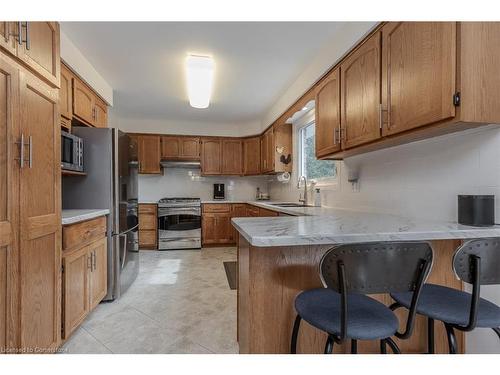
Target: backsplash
[[178, 182]]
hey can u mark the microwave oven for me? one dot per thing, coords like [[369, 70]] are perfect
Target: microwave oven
[[71, 152]]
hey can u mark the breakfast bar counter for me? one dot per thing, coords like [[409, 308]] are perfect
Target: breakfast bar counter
[[278, 257]]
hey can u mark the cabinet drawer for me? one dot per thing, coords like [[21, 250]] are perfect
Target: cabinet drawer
[[79, 234], [216, 207], [147, 208], [147, 221]]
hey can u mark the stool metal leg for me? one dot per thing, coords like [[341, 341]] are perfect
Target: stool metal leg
[[497, 331], [383, 347], [393, 345], [354, 346], [329, 345], [295, 333], [430, 336], [452, 340]]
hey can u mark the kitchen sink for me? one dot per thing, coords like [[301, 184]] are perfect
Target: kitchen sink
[[289, 205]]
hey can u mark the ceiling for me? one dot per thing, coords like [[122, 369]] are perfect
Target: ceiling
[[144, 63]]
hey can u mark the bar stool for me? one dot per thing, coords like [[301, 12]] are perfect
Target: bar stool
[[349, 273], [476, 262]]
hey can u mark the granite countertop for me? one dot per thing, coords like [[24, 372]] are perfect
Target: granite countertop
[[77, 215], [323, 226]]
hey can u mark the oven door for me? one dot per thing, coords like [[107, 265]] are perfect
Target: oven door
[[179, 228]]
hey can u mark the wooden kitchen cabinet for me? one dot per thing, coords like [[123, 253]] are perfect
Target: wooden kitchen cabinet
[[66, 97], [267, 151], [327, 114], [211, 153], [251, 156], [149, 154], [232, 157], [98, 276], [7, 37], [216, 225], [418, 74], [83, 101], [263, 212], [252, 211], [84, 277], [360, 94], [100, 113], [148, 226], [180, 148]]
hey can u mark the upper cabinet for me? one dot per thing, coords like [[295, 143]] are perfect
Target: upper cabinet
[[251, 156], [149, 154], [66, 98], [7, 36], [360, 94], [180, 148], [328, 116], [87, 106], [232, 157], [266, 151], [418, 74], [39, 48], [211, 152], [276, 149]]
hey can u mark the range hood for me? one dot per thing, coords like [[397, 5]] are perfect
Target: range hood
[[180, 164]]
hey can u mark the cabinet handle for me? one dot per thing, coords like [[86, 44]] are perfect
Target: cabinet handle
[[20, 39], [20, 33], [30, 151], [335, 136], [28, 39], [94, 260], [21, 158], [89, 261]]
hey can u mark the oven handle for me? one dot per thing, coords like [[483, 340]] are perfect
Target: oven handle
[[175, 211]]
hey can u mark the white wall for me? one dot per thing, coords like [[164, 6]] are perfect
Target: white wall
[[145, 125], [177, 182], [423, 180], [345, 38], [81, 66]]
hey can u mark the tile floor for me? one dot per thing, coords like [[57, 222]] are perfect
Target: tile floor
[[180, 303]]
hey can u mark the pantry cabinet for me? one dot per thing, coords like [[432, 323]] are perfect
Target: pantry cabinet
[[360, 94], [232, 157], [149, 154], [211, 153], [251, 156], [327, 114], [30, 227], [418, 74]]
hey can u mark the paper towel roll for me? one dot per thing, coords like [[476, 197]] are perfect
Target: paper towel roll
[[284, 177]]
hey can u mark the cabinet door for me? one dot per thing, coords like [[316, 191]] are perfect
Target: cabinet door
[[223, 228], [328, 116], [190, 148], [251, 156], [170, 148], [77, 267], [100, 113], [418, 74], [267, 151], [41, 49], [211, 157], [208, 228], [98, 272], [232, 157], [8, 31], [238, 210], [360, 94], [149, 154], [263, 153], [66, 93], [40, 215], [9, 194], [83, 102]]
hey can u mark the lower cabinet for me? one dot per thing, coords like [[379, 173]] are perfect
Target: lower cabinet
[[84, 262], [148, 226], [84, 283]]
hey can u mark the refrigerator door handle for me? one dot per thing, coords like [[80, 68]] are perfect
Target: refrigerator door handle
[[124, 257]]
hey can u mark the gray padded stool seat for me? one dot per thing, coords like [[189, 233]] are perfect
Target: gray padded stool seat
[[368, 318], [451, 306]]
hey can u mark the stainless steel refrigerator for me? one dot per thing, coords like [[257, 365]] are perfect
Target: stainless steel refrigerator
[[110, 163]]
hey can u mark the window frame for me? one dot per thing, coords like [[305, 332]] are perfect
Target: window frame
[[300, 124]]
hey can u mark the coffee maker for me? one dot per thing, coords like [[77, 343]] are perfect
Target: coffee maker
[[219, 191]]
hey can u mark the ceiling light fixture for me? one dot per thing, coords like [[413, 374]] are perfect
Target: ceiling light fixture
[[200, 76]]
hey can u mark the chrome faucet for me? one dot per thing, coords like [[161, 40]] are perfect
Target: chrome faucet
[[303, 198]]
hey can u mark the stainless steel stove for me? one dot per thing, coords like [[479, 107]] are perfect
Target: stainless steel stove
[[179, 223]]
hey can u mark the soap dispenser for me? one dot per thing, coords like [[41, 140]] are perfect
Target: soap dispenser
[[317, 198]]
